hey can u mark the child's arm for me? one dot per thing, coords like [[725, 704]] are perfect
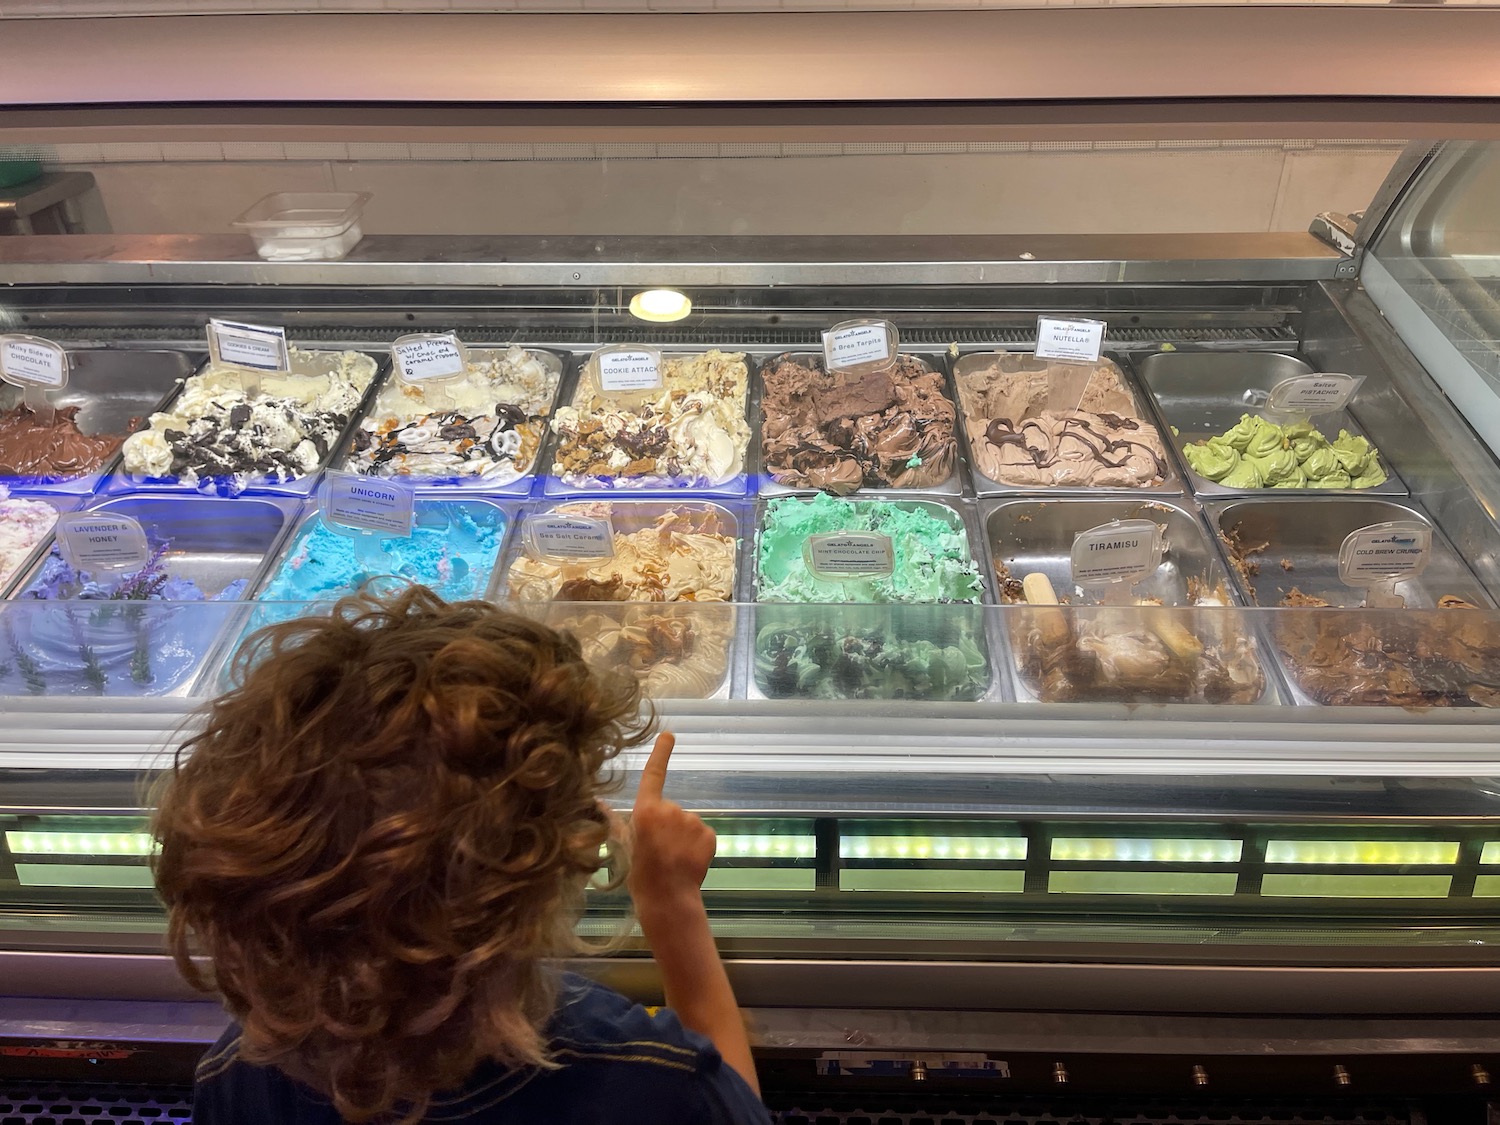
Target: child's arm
[[671, 852]]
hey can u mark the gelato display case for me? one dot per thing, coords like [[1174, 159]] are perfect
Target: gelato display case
[[1138, 695]]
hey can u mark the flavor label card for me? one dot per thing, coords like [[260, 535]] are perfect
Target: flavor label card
[[30, 361], [860, 343], [102, 542], [424, 356], [248, 345], [628, 369], [367, 504], [1072, 341], [1385, 552], [570, 537], [849, 555], [1121, 551], [1324, 393]]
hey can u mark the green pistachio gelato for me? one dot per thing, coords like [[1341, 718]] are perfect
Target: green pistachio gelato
[[1257, 453]]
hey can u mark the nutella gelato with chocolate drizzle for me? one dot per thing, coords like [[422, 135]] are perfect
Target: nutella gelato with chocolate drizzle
[[1043, 423], [840, 431]]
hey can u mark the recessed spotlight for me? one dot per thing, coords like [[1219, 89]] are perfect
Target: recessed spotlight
[[660, 305]]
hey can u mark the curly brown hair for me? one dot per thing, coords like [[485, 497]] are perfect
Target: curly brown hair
[[382, 832]]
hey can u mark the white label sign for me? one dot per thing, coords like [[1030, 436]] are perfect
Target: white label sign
[[629, 369], [30, 361], [423, 357], [249, 345], [1385, 552], [1119, 551], [854, 554], [1324, 393], [368, 504], [570, 537], [102, 542], [858, 343], [1072, 341]]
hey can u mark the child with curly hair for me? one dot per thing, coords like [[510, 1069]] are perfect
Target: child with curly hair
[[380, 839]]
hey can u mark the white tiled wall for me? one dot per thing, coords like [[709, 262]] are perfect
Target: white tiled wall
[[750, 189]]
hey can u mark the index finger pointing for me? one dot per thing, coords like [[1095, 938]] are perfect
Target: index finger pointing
[[654, 774]]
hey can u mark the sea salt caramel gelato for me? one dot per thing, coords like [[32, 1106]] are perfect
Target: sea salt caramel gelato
[[50, 450], [839, 432], [1036, 423], [686, 556]]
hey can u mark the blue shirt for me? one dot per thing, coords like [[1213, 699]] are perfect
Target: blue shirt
[[619, 1065]]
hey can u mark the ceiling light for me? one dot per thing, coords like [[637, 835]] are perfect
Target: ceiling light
[[660, 305]]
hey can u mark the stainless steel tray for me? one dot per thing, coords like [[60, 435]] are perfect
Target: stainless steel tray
[[985, 486], [212, 541], [553, 486], [557, 362], [1364, 657], [629, 516], [1202, 394], [115, 390], [59, 504], [1036, 535], [768, 485], [125, 482], [834, 624]]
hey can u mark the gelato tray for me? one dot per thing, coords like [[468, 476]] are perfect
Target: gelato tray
[[1212, 404], [229, 431], [915, 631], [692, 433], [108, 396], [480, 431], [648, 609], [1038, 425], [1180, 642], [1285, 553], [836, 432], [26, 524], [71, 632]]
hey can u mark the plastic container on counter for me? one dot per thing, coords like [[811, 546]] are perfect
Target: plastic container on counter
[[481, 432], [146, 631], [691, 434], [916, 632], [652, 607], [1182, 642], [1284, 553], [110, 393], [305, 226], [229, 431], [893, 431], [1039, 425]]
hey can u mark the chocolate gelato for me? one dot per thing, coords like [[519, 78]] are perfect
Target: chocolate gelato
[[840, 432], [55, 450], [1046, 424]]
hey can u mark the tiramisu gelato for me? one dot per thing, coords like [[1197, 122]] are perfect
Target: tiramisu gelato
[[222, 434], [1046, 424], [691, 433], [839, 432], [685, 555], [52, 450], [484, 426]]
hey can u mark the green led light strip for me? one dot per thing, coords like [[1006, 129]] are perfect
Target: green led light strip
[[970, 848], [1491, 853], [1367, 853], [79, 843], [767, 846], [1142, 850]]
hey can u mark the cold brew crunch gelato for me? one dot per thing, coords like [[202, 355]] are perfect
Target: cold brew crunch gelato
[[685, 555], [1258, 453], [217, 436], [692, 432], [1026, 434], [839, 432], [486, 425], [893, 646]]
